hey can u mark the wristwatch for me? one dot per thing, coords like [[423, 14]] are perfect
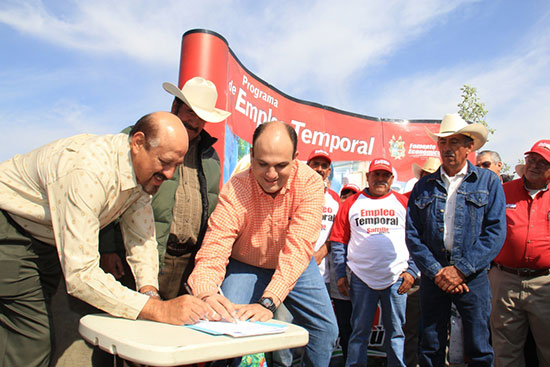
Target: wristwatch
[[267, 302]]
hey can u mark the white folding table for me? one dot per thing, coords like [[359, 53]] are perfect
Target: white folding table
[[157, 344]]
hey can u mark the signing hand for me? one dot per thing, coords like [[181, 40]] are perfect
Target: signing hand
[[223, 307], [178, 311]]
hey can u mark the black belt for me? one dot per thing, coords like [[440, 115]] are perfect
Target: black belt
[[176, 248], [524, 272]]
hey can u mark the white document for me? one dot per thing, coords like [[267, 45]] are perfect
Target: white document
[[239, 328]]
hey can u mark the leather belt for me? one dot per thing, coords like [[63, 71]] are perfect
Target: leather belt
[[176, 248], [524, 272]]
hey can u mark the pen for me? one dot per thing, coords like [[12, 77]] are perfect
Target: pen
[[221, 293], [188, 289]]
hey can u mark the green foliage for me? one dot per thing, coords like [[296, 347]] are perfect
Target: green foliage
[[471, 109]]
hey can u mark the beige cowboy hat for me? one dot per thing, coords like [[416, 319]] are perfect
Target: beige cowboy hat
[[520, 169], [453, 124], [430, 165], [200, 95]]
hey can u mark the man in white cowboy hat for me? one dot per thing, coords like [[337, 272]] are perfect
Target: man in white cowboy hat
[[181, 209], [520, 277], [182, 205], [455, 227]]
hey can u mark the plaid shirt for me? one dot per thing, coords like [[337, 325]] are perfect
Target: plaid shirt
[[269, 232]]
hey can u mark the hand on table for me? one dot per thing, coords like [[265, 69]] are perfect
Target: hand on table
[[184, 309], [223, 308], [253, 312]]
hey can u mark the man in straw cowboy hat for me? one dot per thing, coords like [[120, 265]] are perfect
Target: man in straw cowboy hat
[[181, 208], [520, 277], [184, 203], [455, 227]]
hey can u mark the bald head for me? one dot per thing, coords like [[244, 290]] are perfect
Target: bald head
[[272, 155], [276, 127], [158, 143]]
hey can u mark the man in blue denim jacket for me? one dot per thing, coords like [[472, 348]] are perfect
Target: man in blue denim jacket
[[456, 225]]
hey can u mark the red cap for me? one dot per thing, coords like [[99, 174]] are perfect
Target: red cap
[[380, 164], [541, 147], [319, 153], [352, 187]]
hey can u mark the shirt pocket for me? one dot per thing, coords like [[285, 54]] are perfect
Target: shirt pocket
[[477, 199], [423, 202]]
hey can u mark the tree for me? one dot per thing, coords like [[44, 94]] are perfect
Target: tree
[[471, 109]]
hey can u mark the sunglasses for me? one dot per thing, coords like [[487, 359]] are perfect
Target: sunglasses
[[485, 164]]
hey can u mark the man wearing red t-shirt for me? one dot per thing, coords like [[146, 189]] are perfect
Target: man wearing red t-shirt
[[520, 277]]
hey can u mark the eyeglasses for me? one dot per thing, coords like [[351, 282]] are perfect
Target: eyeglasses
[[537, 162], [485, 164]]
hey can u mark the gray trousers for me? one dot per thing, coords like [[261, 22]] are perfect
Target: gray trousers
[[29, 274]]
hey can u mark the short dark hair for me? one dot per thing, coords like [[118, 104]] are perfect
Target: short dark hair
[[289, 129], [148, 126]]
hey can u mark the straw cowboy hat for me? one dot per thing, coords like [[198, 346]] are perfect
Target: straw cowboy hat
[[453, 124], [430, 165], [201, 96], [520, 169]]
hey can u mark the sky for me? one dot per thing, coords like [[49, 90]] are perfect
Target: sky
[[69, 67]]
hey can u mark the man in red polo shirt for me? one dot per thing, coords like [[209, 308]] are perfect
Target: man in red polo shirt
[[520, 277]]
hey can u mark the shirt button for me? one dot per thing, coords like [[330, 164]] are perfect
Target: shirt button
[[440, 229], [442, 210]]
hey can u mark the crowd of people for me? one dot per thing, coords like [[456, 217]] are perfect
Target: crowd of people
[[138, 227]]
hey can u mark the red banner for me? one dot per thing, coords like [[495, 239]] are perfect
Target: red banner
[[352, 140]]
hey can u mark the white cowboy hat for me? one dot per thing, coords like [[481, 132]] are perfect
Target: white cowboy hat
[[200, 95], [453, 124], [520, 169], [430, 165]]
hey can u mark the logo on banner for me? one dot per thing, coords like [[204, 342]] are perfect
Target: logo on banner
[[397, 147]]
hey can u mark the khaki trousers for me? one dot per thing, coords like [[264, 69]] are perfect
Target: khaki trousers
[[519, 303]]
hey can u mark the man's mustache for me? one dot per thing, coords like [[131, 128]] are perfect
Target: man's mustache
[[189, 127], [160, 176]]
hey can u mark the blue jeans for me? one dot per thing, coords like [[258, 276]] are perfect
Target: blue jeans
[[474, 308], [364, 302], [308, 302]]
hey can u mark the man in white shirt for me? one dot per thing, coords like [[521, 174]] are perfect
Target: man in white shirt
[[58, 197]]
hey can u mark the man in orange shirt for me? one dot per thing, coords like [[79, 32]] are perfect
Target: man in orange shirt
[[260, 243]]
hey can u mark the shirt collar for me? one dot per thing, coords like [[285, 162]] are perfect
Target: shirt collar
[[125, 167], [460, 173]]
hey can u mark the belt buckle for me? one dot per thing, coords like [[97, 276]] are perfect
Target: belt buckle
[[525, 272]]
